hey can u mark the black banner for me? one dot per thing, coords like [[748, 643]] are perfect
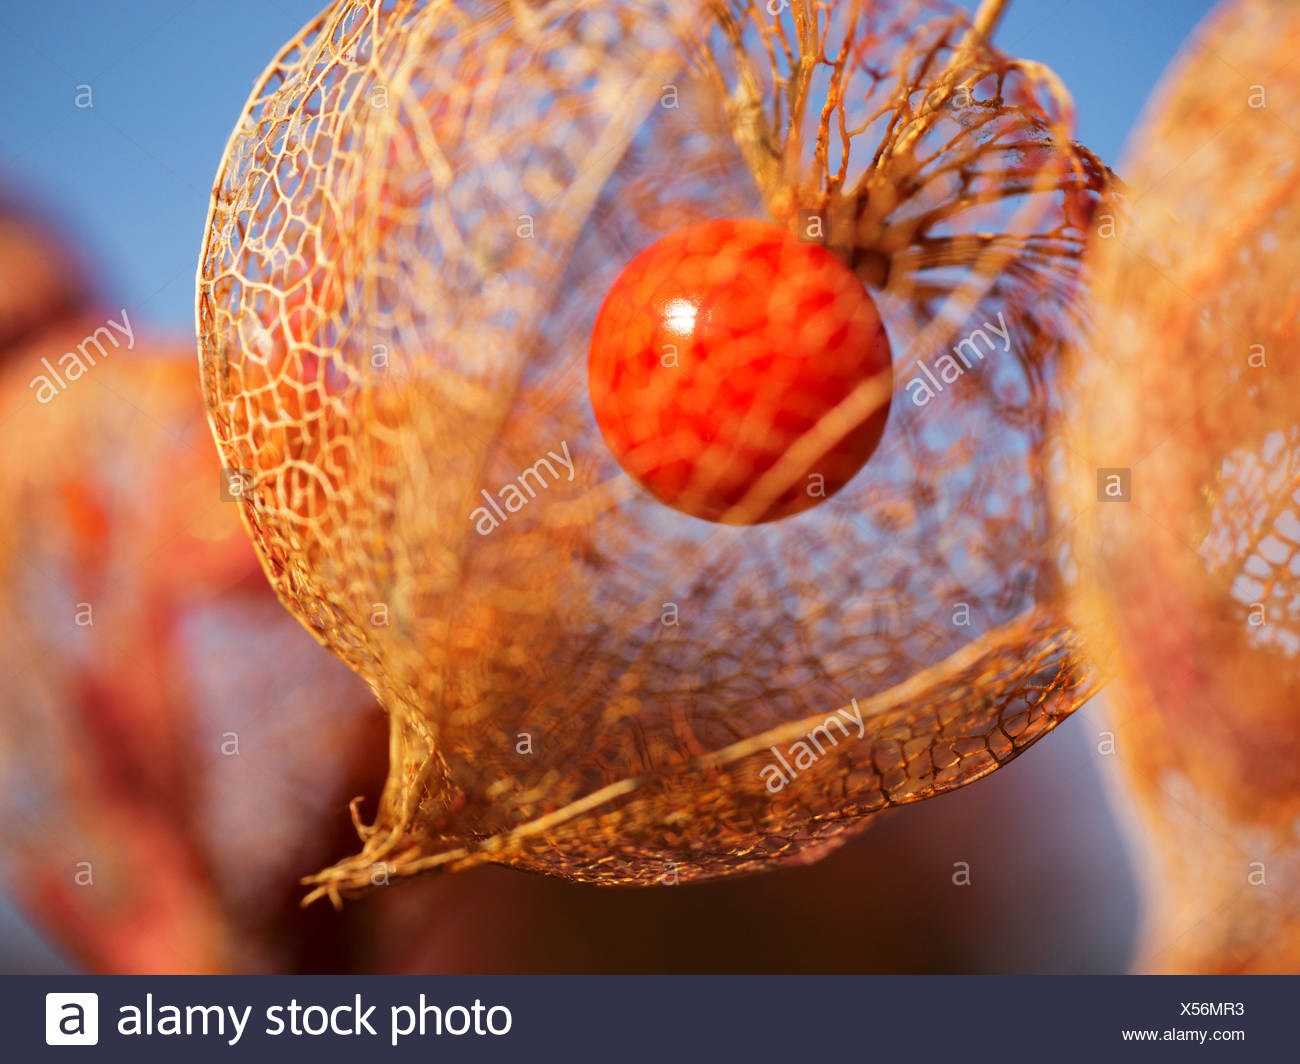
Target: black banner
[[648, 1018]]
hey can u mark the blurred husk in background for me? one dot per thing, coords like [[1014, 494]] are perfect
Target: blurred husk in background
[[175, 746], [1189, 566]]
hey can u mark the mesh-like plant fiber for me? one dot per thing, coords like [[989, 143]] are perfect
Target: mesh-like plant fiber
[[411, 232], [1191, 386]]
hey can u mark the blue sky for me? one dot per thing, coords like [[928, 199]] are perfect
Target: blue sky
[[130, 176]]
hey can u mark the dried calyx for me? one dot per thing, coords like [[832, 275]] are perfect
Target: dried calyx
[[822, 155], [595, 687]]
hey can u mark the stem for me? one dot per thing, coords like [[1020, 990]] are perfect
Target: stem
[[986, 19], [981, 30]]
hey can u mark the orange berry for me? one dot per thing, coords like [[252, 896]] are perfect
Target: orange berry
[[720, 348]]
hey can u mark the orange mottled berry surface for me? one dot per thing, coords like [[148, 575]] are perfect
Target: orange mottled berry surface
[[720, 349]]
